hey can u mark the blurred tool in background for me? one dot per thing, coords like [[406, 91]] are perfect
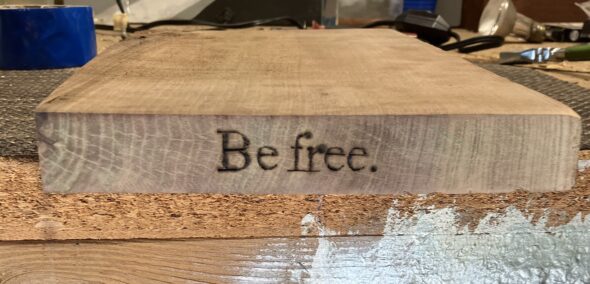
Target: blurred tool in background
[[573, 32], [544, 54], [432, 28], [500, 18], [568, 32]]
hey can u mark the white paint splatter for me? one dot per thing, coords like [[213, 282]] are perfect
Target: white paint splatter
[[583, 165], [429, 247], [310, 222]]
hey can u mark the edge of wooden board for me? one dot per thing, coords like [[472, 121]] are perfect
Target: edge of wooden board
[[421, 154]]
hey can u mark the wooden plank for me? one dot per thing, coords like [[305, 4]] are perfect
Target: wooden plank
[[339, 111], [512, 257]]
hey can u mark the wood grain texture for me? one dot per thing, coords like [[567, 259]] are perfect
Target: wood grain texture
[[147, 116], [289, 73], [514, 257]]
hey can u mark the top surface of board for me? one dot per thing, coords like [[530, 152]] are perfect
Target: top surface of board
[[290, 73]]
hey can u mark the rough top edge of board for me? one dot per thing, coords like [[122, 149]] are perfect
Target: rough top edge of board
[[290, 72]]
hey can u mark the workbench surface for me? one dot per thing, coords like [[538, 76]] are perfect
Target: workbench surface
[[150, 238]]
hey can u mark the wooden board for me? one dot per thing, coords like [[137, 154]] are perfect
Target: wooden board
[[409, 258], [335, 111]]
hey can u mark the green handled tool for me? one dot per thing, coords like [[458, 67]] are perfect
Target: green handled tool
[[544, 54]]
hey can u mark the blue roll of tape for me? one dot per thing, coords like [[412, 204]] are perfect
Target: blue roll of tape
[[46, 37]]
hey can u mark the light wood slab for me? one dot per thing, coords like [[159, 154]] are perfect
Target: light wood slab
[[517, 257], [150, 115]]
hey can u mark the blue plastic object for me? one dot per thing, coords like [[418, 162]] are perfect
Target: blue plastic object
[[46, 37], [428, 5]]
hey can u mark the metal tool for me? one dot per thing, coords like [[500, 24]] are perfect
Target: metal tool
[[544, 54], [500, 18]]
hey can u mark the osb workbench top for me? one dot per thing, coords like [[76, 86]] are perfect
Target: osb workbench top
[[26, 213]]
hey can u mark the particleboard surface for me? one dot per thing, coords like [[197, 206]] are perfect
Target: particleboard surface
[[26, 213]]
